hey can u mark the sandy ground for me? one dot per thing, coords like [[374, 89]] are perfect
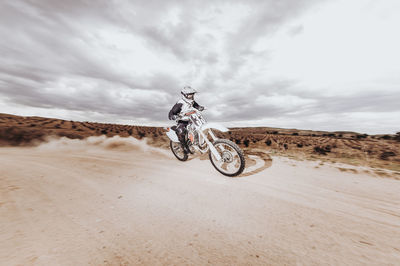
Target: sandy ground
[[119, 202]]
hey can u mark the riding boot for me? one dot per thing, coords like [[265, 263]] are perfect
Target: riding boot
[[184, 144]]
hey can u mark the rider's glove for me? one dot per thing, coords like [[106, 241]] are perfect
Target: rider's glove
[[201, 108]]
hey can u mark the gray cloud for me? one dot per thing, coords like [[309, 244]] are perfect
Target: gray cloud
[[40, 48], [365, 102], [48, 60]]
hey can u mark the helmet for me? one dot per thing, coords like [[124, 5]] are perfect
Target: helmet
[[188, 93]]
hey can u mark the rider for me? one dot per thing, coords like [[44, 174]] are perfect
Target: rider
[[179, 109]]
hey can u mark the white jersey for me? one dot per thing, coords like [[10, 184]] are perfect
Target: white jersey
[[186, 106], [182, 107]]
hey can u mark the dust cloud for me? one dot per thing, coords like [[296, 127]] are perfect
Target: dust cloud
[[96, 143]]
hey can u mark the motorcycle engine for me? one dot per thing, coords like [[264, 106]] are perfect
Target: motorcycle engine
[[193, 137]]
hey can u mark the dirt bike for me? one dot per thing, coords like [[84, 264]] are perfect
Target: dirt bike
[[225, 156]]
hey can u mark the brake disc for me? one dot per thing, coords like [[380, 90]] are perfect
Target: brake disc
[[227, 157]]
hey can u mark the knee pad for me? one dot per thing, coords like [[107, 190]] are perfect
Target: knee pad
[[180, 130]]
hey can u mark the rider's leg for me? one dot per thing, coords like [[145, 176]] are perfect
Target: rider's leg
[[181, 132]]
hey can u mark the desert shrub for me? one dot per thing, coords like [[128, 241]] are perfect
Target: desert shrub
[[275, 132], [386, 154], [295, 134], [397, 137], [328, 148], [130, 132], [386, 137], [370, 152], [18, 135], [141, 134], [363, 136], [104, 131], [319, 150], [322, 150], [299, 145], [32, 125], [73, 126], [268, 142], [285, 146], [246, 142], [238, 141]]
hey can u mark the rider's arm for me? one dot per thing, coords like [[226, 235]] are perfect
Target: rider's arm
[[176, 109], [197, 106]]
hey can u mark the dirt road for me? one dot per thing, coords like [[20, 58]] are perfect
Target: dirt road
[[119, 202]]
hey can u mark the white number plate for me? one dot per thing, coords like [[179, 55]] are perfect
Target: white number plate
[[197, 120]]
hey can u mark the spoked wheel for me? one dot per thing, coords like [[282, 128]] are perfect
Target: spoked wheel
[[177, 150], [232, 159]]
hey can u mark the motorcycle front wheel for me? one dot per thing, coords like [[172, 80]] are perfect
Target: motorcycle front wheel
[[177, 150], [232, 161]]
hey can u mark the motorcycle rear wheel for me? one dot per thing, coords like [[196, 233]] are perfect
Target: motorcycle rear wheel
[[232, 161], [177, 150]]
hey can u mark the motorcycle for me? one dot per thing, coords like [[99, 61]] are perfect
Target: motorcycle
[[226, 157]]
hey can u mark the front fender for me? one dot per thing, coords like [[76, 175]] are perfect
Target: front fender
[[215, 126]]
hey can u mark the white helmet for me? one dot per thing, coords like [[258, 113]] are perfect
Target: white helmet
[[188, 93]]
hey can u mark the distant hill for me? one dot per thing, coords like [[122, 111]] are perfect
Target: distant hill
[[349, 147]]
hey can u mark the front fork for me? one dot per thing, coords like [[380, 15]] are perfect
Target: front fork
[[210, 145]]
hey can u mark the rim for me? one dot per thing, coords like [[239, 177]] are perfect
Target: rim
[[230, 160], [178, 150]]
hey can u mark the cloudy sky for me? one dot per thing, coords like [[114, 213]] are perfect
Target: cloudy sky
[[309, 64]]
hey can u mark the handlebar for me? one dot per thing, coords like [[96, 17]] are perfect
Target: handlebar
[[186, 115]]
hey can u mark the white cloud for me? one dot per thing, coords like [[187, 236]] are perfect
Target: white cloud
[[345, 47], [285, 101]]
